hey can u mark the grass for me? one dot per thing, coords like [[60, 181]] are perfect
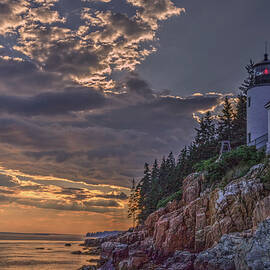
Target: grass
[[175, 196], [233, 165]]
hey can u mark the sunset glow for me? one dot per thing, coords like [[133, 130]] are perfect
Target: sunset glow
[[91, 90]]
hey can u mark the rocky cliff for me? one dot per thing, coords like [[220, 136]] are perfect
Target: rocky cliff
[[221, 229]]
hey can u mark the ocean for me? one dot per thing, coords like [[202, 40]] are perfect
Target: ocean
[[41, 251]]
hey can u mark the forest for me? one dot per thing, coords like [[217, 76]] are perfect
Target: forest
[[161, 182]]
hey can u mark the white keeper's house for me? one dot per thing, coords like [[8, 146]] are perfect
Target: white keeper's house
[[258, 107]]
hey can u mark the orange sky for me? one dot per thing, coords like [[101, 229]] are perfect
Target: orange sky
[[28, 219], [54, 205]]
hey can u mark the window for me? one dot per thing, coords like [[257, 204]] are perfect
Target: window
[[249, 101], [249, 137]]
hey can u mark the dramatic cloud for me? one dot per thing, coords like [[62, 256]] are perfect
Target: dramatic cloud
[[23, 77], [14, 188], [77, 122], [52, 103], [101, 138], [11, 14], [89, 52]]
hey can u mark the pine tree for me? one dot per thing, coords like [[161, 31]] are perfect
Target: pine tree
[[164, 180], [193, 155], [205, 139], [155, 192], [132, 203], [144, 198], [210, 128], [206, 131], [182, 167], [163, 172], [170, 184], [155, 172], [240, 122], [249, 81], [225, 122]]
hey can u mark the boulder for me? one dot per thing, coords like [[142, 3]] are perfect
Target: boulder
[[254, 252], [114, 250], [131, 237], [221, 256], [181, 260], [153, 218], [77, 252], [192, 187], [136, 259], [238, 251], [123, 265], [107, 266], [261, 211], [92, 242]]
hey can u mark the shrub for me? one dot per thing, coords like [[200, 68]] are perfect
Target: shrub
[[266, 177], [175, 196], [233, 164]]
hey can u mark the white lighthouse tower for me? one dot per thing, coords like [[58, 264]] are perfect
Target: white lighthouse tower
[[258, 98]]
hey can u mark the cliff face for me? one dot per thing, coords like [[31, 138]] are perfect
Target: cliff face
[[195, 232]]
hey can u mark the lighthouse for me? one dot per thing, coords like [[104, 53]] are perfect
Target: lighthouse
[[258, 106]]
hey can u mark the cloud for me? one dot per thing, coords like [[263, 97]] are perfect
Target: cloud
[[6, 181], [54, 197], [11, 14], [95, 136], [158, 115], [24, 77], [102, 42], [50, 103], [77, 122], [105, 1], [105, 206], [120, 196], [45, 15], [154, 11]]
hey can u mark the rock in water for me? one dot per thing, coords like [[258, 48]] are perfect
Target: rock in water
[[88, 267]]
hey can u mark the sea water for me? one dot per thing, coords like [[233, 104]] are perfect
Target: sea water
[[41, 255]]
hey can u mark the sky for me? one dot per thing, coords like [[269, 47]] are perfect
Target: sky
[[91, 90]]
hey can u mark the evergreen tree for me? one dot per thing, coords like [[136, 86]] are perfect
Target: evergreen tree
[[155, 172], [144, 198], [193, 155], [132, 203], [205, 139], [170, 184], [163, 181], [249, 81], [210, 128], [163, 172], [170, 162], [225, 122], [182, 167], [240, 122], [155, 192]]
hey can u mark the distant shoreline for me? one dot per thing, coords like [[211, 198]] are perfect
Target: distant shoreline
[[40, 236]]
